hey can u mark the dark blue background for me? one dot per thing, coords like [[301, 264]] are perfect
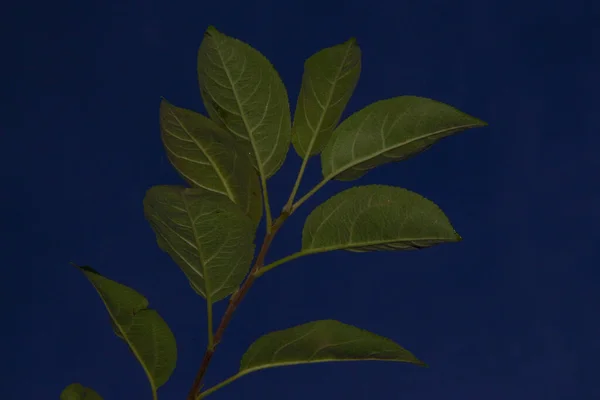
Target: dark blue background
[[509, 313]]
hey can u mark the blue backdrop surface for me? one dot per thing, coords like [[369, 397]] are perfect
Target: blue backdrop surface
[[511, 312]]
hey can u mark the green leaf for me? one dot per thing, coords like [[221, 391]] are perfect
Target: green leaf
[[376, 218], [205, 233], [76, 391], [389, 130], [321, 341], [207, 156], [329, 79], [143, 329], [243, 93]]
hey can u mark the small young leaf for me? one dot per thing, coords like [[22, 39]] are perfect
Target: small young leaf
[[76, 391], [143, 329], [321, 341], [205, 233], [243, 93], [376, 218], [389, 130], [207, 156], [329, 79]]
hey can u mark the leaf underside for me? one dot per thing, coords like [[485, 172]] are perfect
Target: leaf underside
[[243, 93], [388, 131], [376, 218], [206, 156], [321, 341], [207, 235], [328, 82]]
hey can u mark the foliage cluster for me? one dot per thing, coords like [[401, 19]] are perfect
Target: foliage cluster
[[209, 228]]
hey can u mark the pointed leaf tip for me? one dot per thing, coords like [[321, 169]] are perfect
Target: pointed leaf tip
[[211, 29], [148, 336]]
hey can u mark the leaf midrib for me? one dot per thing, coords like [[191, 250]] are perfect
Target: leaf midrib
[[174, 248], [129, 342], [239, 104], [358, 161], [288, 363], [206, 154], [203, 265], [328, 103]]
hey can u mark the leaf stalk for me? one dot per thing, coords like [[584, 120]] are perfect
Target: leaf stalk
[[288, 205]]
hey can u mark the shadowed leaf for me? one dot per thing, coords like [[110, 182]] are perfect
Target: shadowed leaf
[[207, 156], [205, 233]]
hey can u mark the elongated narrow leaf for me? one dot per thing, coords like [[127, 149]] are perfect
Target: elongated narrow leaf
[[207, 156], [143, 329], [376, 218], [205, 233], [389, 130], [243, 93], [329, 79], [321, 341], [77, 391]]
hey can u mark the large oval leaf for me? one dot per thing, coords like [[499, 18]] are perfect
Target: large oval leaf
[[206, 234], [243, 93], [389, 130], [206, 156], [321, 341], [376, 218], [147, 334], [77, 391], [329, 79]]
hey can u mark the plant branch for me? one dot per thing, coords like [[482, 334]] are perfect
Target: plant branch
[[234, 302], [255, 272], [310, 193]]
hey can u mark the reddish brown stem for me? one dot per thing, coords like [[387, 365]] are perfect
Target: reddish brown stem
[[234, 302]]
